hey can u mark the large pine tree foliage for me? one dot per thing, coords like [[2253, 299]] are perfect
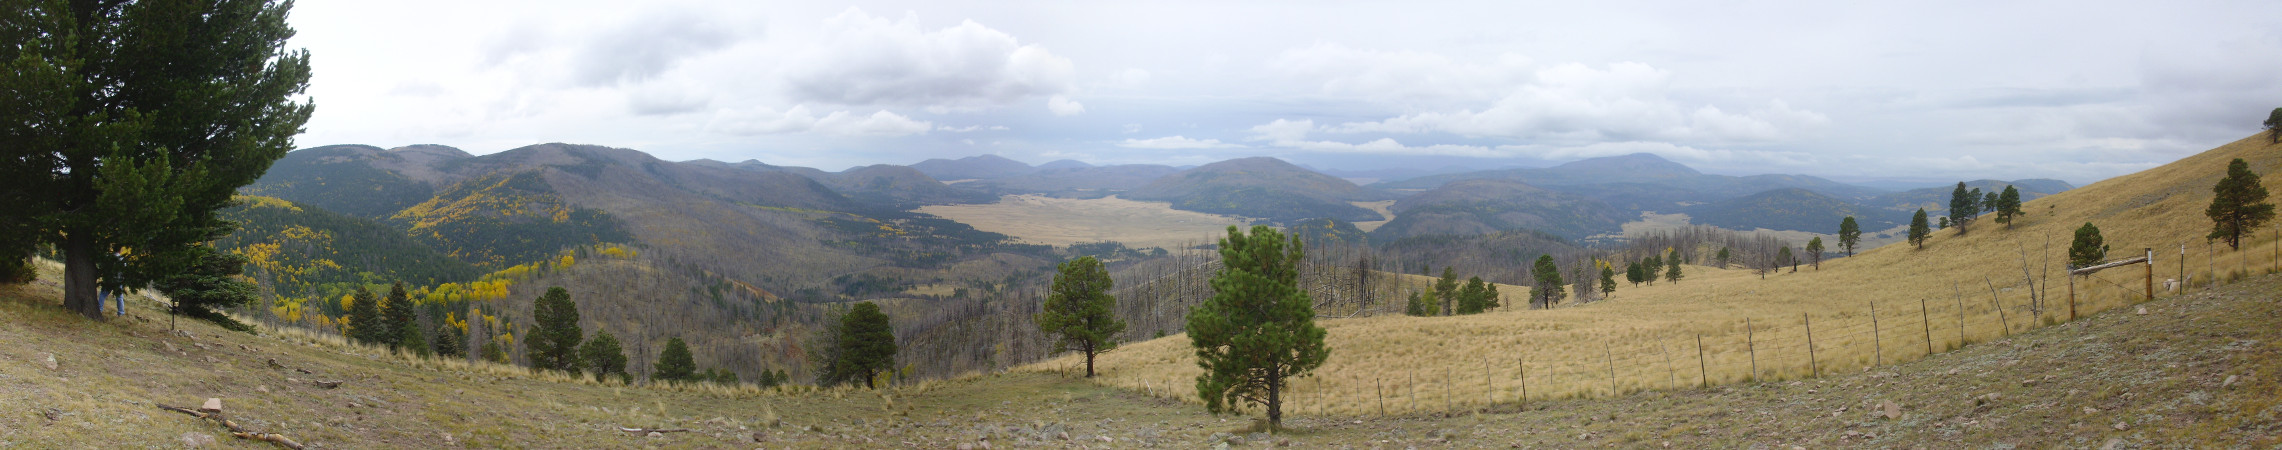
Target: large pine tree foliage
[[1446, 289], [2088, 247], [2008, 207], [1081, 311], [867, 345], [1672, 267], [209, 283], [1849, 234], [604, 357], [675, 363], [400, 321], [1814, 252], [1919, 229], [365, 323], [1258, 329], [1608, 277], [1550, 288], [2274, 127], [1963, 206], [127, 124], [2238, 204], [555, 335]]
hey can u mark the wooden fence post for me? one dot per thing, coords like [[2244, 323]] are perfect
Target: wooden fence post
[[1605, 353], [2072, 295], [1669, 375], [1703, 371], [1446, 382], [1750, 347], [1877, 344], [1488, 384], [1813, 369], [1524, 365], [1926, 319], [2151, 274], [1381, 386]]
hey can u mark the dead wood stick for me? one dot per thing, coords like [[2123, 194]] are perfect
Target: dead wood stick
[[236, 430], [652, 430]]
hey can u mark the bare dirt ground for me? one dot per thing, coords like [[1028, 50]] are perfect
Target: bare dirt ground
[[1059, 221]]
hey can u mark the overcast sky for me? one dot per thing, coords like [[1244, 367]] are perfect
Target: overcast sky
[[1928, 90]]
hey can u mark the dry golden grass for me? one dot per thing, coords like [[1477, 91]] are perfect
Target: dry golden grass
[[1061, 221], [1380, 207], [1645, 337]]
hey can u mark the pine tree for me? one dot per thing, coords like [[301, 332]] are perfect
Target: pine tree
[[1814, 251], [492, 352], [1081, 311], [604, 357], [400, 322], [1650, 268], [1720, 260], [867, 344], [2008, 206], [1446, 289], [1551, 288], [555, 335], [1849, 234], [1472, 297], [1632, 273], [1961, 206], [675, 363], [1421, 304], [1608, 278], [2088, 248], [1918, 229], [2238, 204], [1784, 258], [2274, 127], [449, 344], [1672, 267], [128, 123], [210, 283], [1258, 329], [365, 323]]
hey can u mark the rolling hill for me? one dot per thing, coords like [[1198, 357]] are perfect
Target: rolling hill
[[1935, 200], [1261, 187], [1791, 209], [1484, 206], [973, 167]]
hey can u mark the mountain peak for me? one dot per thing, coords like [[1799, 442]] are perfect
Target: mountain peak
[[973, 167]]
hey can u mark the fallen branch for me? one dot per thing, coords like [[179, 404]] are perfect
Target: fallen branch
[[236, 430], [326, 384], [652, 430]]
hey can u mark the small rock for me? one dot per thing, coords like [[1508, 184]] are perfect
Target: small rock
[[1063, 435], [655, 435], [48, 360], [2120, 426], [263, 388], [170, 348], [211, 360], [2112, 444], [966, 446], [2029, 382], [2091, 410], [2229, 382], [1952, 371], [212, 405], [197, 440], [1893, 411], [1105, 439], [2142, 311], [449, 441]]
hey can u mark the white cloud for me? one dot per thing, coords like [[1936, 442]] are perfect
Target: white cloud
[[1063, 106], [800, 119], [1578, 103], [969, 128], [1175, 142], [1406, 77], [866, 60]]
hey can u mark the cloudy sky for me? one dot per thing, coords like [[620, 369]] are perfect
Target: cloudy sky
[[1855, 91]]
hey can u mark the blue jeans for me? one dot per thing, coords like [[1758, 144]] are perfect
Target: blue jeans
[[118, 300]]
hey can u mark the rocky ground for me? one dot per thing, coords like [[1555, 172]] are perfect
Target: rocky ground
[[2196, 370]]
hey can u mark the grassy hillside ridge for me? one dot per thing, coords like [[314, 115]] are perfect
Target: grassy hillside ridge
[[1935, 200], [2159, 207], [1791, 209], [1472, 207], [1260, 187]]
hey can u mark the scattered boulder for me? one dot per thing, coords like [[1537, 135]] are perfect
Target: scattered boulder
[[655, 435], [213, 405], [2120, 426], [2229, 382], [47, 360], [1892, 411]]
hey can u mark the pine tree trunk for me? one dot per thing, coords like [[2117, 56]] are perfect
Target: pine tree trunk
[[79, 276], [1275, 400]]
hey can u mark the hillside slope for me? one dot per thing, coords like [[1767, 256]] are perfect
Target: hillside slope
[[1754, 326], [1261, 187], [1471, 207], [2196, 370]]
